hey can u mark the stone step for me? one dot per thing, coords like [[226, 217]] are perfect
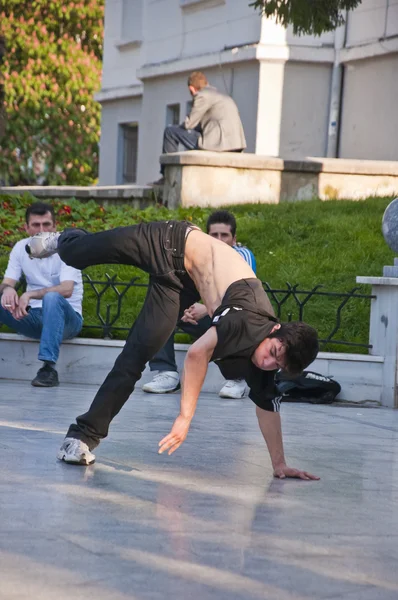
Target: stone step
[[140, 196], [87, 361]]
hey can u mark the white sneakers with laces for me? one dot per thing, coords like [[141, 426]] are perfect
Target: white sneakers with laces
[[75, 452], [166, 382], [163, 383], [233, 388], [43, 244]]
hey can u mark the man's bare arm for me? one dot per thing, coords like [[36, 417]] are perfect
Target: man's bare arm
[[195, 369], [271, 428], [7, 282], [65, 289]]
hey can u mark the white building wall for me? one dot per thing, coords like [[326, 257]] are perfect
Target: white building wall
[[176, 29], [244, 89], [370, 109], [275, 34], [280, 82], [304, 110], [372, 20], [122, 55], [114, 114]]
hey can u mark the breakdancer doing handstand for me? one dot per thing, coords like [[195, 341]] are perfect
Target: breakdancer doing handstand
[[245, 340]]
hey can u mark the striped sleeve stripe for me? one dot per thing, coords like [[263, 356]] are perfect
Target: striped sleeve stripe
[[276, 403], [246, 254]]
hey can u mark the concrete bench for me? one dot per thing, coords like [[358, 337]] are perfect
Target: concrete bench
[[81, 360], [87, 361], [200, 178]]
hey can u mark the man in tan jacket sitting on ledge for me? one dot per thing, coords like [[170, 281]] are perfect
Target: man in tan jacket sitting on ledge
[[214, 123]]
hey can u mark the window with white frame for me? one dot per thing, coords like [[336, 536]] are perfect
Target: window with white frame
[[131, 25]]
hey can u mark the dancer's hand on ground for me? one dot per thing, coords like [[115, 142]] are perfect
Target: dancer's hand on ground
[[177, 435], [284, 471]]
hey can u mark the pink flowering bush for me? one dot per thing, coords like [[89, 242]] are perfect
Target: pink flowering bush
[[50, 72]]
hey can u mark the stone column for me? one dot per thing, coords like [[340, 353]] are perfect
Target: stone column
[[383, 332], [269, 110]]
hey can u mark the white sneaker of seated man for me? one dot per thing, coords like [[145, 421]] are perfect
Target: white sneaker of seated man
[[164, 382], [43, 245], [75, 452], [233, 388]]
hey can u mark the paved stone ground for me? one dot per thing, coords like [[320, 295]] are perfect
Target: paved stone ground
[[208, 523]]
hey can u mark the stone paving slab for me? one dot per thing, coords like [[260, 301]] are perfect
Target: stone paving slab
[[208, 523]]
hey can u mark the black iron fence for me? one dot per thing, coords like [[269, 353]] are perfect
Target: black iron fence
[[290, 303], [301, 298], [333, 310]]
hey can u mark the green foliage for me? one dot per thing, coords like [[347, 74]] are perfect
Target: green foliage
[[305, 243], [50, 72], [307, 17]]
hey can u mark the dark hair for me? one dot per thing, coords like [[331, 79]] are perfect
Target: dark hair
[[301, 345], [198, 80], [39, 208], [222, 216]]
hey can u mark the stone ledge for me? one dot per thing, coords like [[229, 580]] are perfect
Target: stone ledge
[[81, 192], [377, 280], [87, 361], [214, 179], [99, 342], [246, 160], [81, 360]]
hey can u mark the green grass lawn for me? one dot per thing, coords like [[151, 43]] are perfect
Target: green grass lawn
[[305, 243]]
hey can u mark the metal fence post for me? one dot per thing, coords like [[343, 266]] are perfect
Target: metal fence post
[[383, 332]]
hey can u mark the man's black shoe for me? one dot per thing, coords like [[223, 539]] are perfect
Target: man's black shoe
[[47, 376]]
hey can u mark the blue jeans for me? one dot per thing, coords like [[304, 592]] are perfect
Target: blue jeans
[[54, 322]]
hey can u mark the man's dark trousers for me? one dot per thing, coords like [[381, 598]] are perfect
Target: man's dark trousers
[[174, 136], [165, 359], [158, 249]]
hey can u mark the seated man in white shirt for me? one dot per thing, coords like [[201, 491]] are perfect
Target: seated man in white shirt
[[51, 308]]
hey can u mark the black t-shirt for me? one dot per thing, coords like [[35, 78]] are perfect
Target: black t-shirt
[[243, 320]]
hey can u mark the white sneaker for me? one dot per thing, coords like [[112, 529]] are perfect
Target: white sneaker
[[43, 244], [75, 452], [233, 388], [163, 383]]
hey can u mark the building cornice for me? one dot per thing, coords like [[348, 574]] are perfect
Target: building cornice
[[200, 61], [370, 50], [285, 53], [118, 93], [250, 52]]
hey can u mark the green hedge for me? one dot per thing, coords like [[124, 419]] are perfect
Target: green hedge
[[308, 243]]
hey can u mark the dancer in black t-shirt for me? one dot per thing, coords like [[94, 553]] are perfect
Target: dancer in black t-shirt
[[245, 339]]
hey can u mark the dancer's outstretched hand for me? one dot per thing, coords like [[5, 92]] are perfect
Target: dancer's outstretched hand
[[285, 471], [177, 435]]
